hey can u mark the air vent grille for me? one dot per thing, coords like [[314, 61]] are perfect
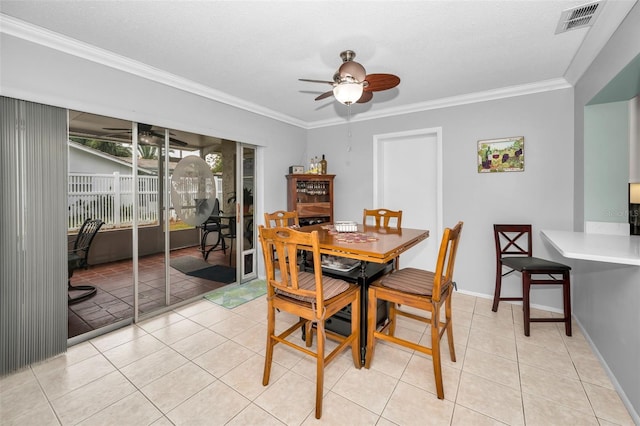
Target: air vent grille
[[578, 17]]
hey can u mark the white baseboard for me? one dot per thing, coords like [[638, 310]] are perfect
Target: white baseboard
[[513, 302], [623, 396]]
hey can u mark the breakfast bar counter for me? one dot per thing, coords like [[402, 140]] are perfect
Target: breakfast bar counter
[[621, 249]]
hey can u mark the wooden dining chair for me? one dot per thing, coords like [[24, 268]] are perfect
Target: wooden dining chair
[[281, 218], [382, 217], [422, 290], [514, 251], [308, 295]]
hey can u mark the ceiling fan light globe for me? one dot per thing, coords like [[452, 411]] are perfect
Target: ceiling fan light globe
[[348, 92]]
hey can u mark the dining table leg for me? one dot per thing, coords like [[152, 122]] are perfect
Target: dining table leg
[[362, 281]]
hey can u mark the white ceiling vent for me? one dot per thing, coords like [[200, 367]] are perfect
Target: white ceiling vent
[[579, 16]]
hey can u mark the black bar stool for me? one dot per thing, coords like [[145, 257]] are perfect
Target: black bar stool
[[514, 251]]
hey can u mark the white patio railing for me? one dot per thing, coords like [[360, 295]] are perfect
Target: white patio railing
[[110, 197]]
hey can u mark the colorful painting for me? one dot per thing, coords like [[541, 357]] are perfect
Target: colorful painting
[[501, 155]]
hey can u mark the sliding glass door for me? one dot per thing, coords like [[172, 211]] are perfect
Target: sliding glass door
[[101, 182], [152, 253]]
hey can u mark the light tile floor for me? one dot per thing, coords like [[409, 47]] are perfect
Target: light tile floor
[[202, 365]]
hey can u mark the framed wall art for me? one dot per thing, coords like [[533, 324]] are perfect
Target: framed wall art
[[501, 155]]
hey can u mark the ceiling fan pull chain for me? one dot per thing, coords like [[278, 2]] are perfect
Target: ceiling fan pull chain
[[349, 128]]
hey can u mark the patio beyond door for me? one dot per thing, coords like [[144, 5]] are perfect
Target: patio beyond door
[[146, 260]]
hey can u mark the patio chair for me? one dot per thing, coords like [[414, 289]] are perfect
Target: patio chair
[[78, 256], [212, 224]]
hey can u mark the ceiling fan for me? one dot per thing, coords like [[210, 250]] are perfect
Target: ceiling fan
[[352, 84], [146, 134]]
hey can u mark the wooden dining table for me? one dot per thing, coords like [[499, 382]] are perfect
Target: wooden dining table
[[369, 245]]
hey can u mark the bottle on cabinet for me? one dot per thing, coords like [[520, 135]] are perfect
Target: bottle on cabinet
[[323, 166]]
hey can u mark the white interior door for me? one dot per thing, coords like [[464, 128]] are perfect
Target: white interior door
[[246, 228], [408, 177]]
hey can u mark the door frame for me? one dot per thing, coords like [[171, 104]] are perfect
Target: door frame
[[379, 142], [241, 275]]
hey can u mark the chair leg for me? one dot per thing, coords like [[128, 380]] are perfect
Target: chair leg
[[203, 242], [88, 291], [268, 358], [448, 316], [372, 314], [496, 294], [435, 349], [308, 333], [321, 338], [526, 288], [566, 288], [355, 331], [392, 318]]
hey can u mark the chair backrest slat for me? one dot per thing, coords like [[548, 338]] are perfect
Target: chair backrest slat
[[281, 218], [382, 217], [513, 240], [286, 242], [446, 260]]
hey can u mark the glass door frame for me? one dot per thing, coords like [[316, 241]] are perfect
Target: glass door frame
[[164, 214], [248, 254], [134, 236]]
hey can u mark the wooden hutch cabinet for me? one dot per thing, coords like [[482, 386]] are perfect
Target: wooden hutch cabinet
[[311, 196]]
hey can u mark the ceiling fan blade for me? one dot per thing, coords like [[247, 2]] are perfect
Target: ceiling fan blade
[[107, 135], [379, 82], [172, 140], [178, 142], [325, 95], [353, 69], [316, 81], [142, 127], [366, 97]]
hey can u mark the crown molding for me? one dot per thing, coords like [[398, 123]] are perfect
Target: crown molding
[[38, 35], [469, 98]]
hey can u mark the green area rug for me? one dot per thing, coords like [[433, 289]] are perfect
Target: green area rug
[[233, 295]]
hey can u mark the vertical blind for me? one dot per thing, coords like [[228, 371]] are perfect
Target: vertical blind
[[33, 233]]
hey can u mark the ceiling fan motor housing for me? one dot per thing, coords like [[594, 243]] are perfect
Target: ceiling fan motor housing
[[352, 84]]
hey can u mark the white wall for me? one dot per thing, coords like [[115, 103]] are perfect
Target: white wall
[[606, 297], [541, 195]]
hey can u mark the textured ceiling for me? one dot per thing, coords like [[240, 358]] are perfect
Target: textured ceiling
[[251, 54]]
